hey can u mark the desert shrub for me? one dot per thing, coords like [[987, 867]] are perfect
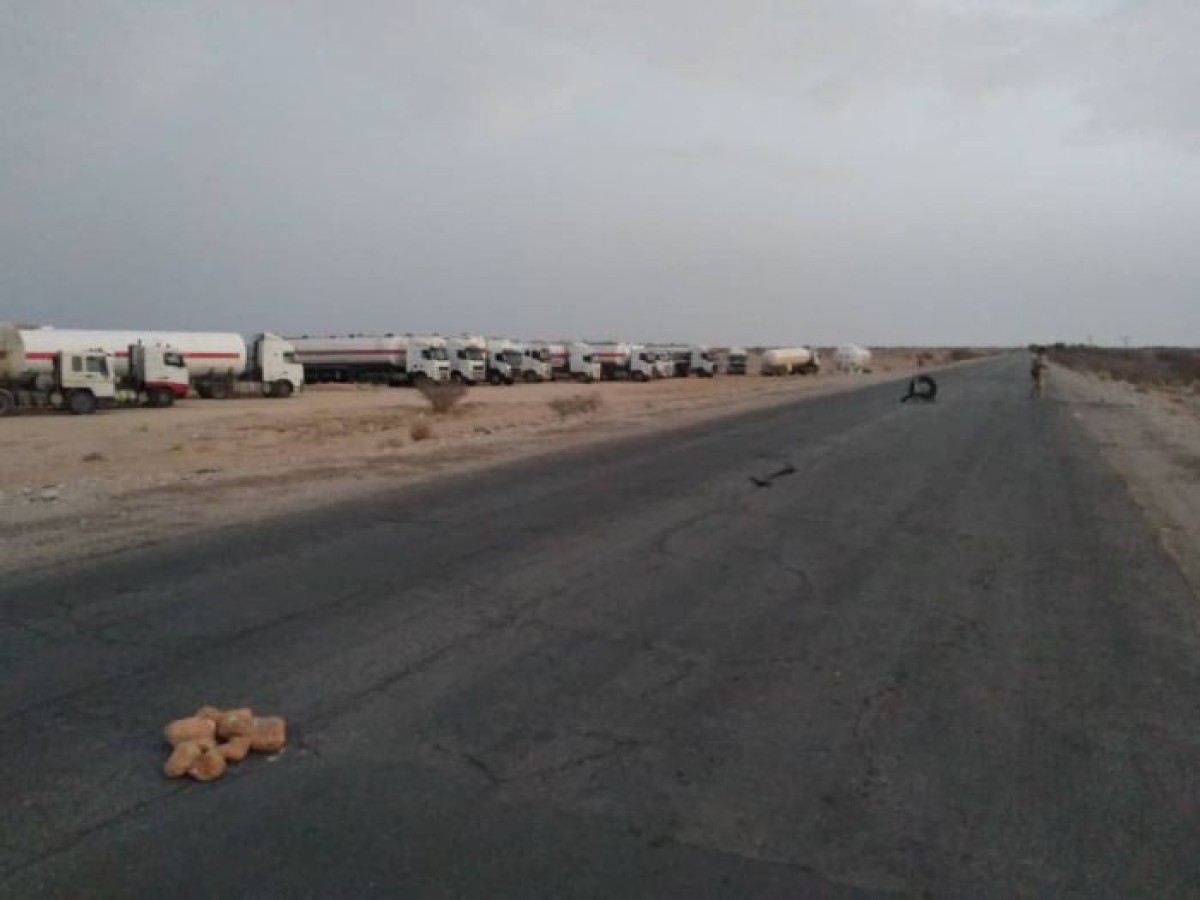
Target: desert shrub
[[961, 354], [420, 430], [577, 405], [442, 396]]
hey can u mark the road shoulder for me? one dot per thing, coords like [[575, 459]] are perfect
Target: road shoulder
[[1152, 438]]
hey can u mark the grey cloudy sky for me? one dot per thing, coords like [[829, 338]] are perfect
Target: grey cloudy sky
[[887, 171]]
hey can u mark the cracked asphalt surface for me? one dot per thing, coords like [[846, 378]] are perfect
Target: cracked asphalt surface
[[943, 656]]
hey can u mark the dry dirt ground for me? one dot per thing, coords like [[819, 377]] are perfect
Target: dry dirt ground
[[1151, 436], [74, 488]]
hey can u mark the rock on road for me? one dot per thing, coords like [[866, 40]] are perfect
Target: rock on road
[[945, 656]]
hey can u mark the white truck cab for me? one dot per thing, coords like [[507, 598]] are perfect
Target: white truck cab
[[737, 361], [85, 374], [427, 357], [581, 364], [275, 364], [536, 364], [159, 374], [702, 362], [644, 363], [468, 358], [503, 361]]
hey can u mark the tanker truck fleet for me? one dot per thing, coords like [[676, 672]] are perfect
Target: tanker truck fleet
[[84, 379], [63, 368], [218, 365]]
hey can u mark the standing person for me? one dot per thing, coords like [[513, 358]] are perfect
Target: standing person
[[1037, 370]]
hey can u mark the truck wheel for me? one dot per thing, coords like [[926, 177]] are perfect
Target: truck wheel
[[640, 376], [218, 390], [495, 379], [531, 378], [281, 389], [162, 398], [8, 404], [81, 403]]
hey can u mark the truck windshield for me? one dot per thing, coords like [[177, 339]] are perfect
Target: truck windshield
[[475, 353], [438, 353], [97, 365], [512, 357], [289, 356], [173, 359]]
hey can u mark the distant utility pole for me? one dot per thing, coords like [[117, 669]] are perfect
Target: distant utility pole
[[1124, 339]]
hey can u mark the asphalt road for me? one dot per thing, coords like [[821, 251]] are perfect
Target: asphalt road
[[944, 656]]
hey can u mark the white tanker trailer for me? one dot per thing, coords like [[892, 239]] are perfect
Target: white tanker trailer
[[220, 365], [382, 358], [791, 361], [852, 358]]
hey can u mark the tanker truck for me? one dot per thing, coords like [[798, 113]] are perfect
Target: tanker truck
[[81, 381], [688, 359], [633, 361], [556, 355], [468, 358], [852, 358], [560, 357], [536, 362], [374, 358], [791, 361], [503, 361], [737, 361], [219, 365], [581, 364]]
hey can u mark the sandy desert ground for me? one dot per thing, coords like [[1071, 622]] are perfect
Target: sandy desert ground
[[74, 488]]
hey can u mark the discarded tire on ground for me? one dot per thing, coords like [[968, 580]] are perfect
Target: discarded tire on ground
[[922, 387]]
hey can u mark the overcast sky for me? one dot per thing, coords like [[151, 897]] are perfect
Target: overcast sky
[[886, 171]]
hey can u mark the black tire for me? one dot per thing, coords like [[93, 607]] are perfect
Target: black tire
[[218, 390], [8, 404], [161, 397], [495, 379], [457, 377], [281, 389], [81, 403], [921, 388], [531, 378], [640, 376]]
